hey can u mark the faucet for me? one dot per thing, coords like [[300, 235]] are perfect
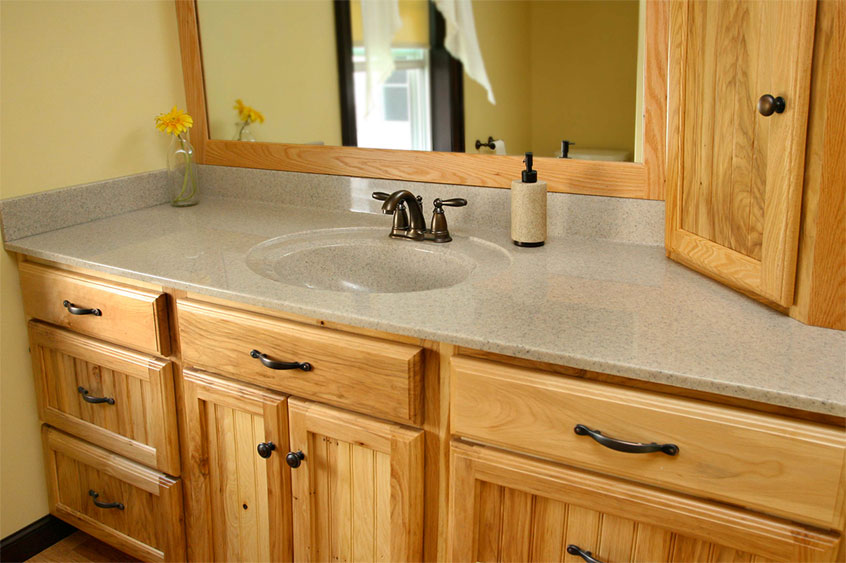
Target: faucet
[[416, 229], [409, 222]]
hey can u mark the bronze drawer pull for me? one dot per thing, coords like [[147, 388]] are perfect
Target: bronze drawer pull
[[118, 505], [273, 364], [586, 555], [89, 399], [622, 445], [74, 310]]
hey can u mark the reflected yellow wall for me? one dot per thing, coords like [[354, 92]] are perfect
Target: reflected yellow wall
[[81, 84], [277, 56], [502, 28], [415, 23], [584, 76], [559, 70]]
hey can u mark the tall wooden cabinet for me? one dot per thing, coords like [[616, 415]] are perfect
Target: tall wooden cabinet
[[740, 75]]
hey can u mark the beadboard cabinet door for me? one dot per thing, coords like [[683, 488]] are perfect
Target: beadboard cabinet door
[[238, 502], [358, 491], [505, 507], [734, 176]]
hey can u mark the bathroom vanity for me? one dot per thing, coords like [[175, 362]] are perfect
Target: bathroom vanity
[[541, 407]]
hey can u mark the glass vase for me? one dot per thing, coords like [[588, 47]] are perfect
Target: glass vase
[[242, 132], [182, 173]]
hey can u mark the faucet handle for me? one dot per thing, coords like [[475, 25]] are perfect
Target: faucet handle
[[452, 202], [381, 196]]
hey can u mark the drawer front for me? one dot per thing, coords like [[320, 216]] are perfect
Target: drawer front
[[130, 316], [357, 372], [111, 396], [147, 524], [774, 464]]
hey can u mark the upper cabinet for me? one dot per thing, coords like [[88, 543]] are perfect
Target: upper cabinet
[[740, 74]]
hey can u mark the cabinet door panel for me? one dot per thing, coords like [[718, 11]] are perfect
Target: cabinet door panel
[[358, 495], [734, 175], [504, 507], [238, 502]]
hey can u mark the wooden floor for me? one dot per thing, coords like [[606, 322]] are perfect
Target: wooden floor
[[79, 547]]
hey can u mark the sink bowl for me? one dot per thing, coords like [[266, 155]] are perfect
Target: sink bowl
[[366, 260]]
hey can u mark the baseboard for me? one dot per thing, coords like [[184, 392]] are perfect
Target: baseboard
[[34, 538]]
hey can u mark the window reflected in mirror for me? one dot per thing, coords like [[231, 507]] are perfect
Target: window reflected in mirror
[[560, 70]]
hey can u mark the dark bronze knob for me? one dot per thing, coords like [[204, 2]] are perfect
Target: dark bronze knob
[[767, 105], [294, 459], [265, 449]]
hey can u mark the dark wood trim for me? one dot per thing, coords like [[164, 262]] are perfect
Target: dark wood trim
[[346, 88], [446, 81], [34, 538]]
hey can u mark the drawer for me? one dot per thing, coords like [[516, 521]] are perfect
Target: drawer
[[770, 463], [130, 316], [361, 373], [75, 373], [149, 525]]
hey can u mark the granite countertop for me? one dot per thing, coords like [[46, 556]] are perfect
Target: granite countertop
[[618, 308]]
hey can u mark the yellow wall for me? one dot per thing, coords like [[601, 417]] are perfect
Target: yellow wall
[[584, 76], [81, 84], [278, 57], [559, 70], [502, 28]]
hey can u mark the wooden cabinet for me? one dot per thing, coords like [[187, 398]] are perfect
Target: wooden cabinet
[[238, 503], [358, 494], [734, 182], [132, 507], [770, 463], [355, 372], [506, 507], [112, 396]]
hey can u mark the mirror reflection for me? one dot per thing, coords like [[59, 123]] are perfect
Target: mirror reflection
[[559, 70]]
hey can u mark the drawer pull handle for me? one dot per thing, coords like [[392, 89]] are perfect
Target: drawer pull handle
[[118, 505], [622, 445], [265, 449], [273, 364], [294, 459], [74, 310], [586, 555], [89, 399]]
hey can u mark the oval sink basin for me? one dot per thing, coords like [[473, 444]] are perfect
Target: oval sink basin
[[366, 260]]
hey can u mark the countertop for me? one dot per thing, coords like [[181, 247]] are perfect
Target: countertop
[[623, 309]]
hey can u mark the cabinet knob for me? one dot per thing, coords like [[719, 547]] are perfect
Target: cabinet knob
[[767, 105], [294, 459], [265, 449]]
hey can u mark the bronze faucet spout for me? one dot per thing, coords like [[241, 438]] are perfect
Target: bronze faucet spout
[[416, 221]]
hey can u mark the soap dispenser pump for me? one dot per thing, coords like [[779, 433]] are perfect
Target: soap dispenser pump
[[528, 208]]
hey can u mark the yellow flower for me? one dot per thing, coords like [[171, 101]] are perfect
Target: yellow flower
[[246, 113], [175, 122]]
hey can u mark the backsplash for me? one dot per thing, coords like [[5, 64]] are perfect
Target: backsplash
[[606, 218]]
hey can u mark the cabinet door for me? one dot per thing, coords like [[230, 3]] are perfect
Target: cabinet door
[[238, 503], [358, 493], [504, 507], [734, 178]]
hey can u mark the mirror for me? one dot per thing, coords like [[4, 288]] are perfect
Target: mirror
[[559, 69]]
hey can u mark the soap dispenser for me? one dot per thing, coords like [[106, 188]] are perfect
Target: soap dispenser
[[528, 208]]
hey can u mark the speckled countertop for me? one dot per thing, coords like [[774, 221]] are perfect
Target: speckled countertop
[[594, 304]]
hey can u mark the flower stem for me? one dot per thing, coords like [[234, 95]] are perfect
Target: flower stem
[[188, 176]]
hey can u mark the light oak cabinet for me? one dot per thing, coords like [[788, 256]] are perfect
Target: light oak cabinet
[[506, 507], [735, 175], [128, 505], [238, 503], [358, 495]]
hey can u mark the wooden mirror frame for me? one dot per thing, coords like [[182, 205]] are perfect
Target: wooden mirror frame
[[621, 179]]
